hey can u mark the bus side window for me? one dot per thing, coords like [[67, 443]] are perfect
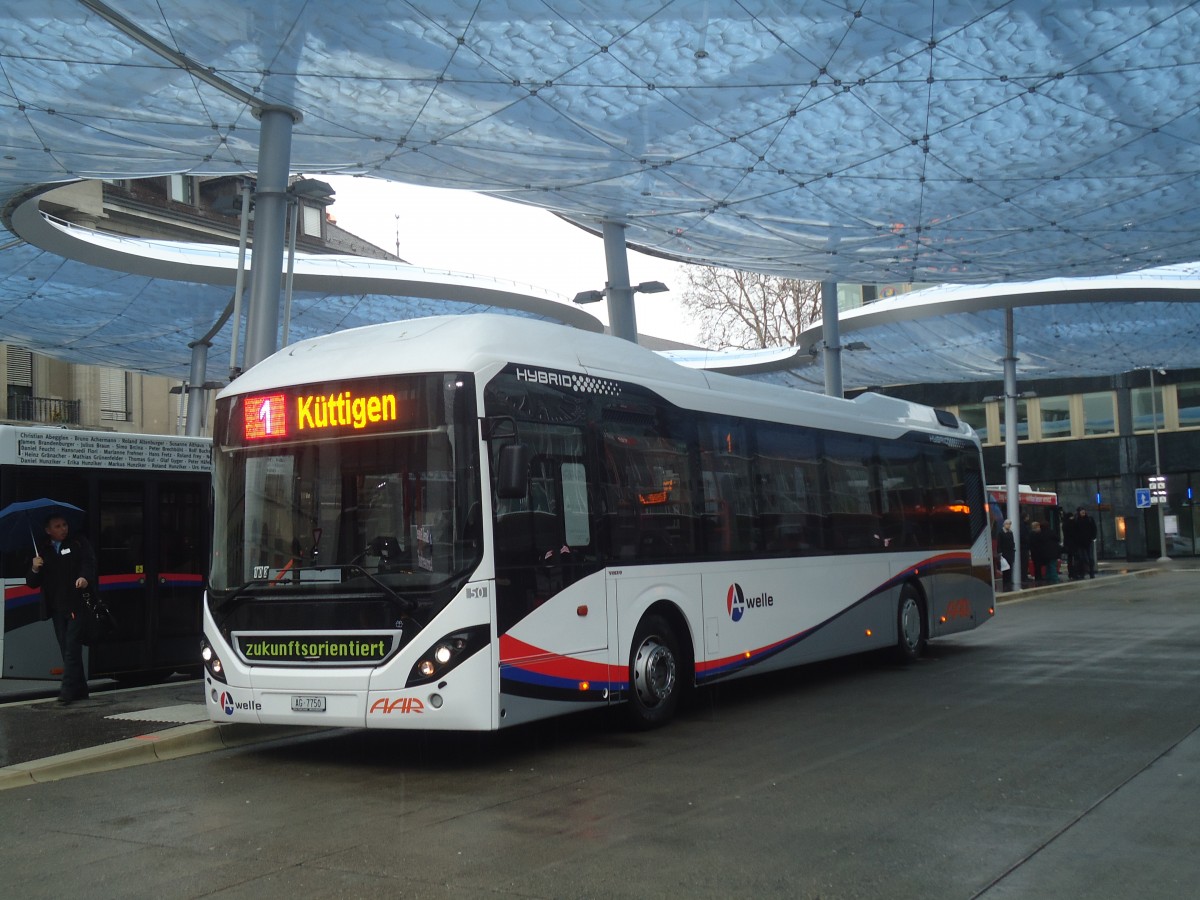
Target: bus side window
[[949, 505], [731, 522], [791, 499], [647, 490], [852, 492], [902, 506], [554, 514]]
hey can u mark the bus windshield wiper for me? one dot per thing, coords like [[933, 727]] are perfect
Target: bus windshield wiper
[[241, 592], [244, 591], [335, 574], [406, 604]]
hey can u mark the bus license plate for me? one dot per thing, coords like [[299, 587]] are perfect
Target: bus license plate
[[308, 704]]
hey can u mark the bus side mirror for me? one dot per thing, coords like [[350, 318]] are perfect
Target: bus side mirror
[[512, 472]]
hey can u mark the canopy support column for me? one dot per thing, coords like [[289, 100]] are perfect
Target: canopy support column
[[1012, 468], [197, 393], [294, 221], [831, 339], [270, 213], [240, 283], [622, 318]]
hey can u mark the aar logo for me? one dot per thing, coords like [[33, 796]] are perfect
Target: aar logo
[[402, 705]]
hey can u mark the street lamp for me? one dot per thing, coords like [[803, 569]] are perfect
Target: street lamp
[[1159, 493], [646, 287]]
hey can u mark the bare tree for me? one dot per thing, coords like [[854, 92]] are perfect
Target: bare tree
[[749, 310]]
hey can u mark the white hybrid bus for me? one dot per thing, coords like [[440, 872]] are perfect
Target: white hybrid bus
[[472, 522]]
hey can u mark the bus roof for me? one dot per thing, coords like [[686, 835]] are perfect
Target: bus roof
[[484, 343], [1025, 494]]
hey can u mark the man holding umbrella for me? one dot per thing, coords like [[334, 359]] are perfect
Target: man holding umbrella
[[64, 566]]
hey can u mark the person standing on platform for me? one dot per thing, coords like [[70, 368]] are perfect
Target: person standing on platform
[[1085, 542], [1027, 572], [1070, 545], [64, 567], [1008, 548], [1045, 550]]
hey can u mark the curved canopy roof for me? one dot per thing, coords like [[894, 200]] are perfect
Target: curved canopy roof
[[962, 141], [1064, 328], [967, 141], [169, 294]]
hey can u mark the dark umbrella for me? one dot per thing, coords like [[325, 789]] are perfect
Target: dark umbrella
[[21, 521]]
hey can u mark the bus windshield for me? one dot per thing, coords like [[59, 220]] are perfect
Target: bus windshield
[[398, 507]]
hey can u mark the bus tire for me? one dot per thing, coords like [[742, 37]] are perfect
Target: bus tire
[[654, 676], [912, 625]]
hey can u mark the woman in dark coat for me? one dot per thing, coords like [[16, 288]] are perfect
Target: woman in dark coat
[[1008, 550], [1044, 549]]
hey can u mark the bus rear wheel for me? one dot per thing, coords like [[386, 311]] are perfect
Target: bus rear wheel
[[654, 685], [912, 626]]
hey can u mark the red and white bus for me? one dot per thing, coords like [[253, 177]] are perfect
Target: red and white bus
[[146, 502], [1040, 506], [472, 522]]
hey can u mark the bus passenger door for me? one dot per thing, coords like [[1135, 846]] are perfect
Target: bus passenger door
[[120, 563], [150, 557], [179, 554]]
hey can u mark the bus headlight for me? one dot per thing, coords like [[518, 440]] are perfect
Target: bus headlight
[[446, 653], [212, 662]]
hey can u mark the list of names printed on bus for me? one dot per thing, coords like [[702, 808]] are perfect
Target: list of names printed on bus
[[111, 450]]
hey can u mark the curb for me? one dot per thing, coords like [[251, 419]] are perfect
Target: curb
[[1029, 593], [172, 743]]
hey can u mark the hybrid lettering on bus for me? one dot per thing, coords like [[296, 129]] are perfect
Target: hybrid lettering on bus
[[472, 522]]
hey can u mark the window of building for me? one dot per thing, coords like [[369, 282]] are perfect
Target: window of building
[[180, 188], [312, 221], [1022, 421], [114, 395], [1055, 417], [1099, 415], [1148, 412], [849, 296], [1188, 398], [20, 371], [20, 383], [975, 415]]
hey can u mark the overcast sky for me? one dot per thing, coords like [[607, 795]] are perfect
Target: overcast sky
[[466, 232]]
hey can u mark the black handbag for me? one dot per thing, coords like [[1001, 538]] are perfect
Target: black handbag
[[98, 620]]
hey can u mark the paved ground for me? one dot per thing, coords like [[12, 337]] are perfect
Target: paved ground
[[42, 741], [1053, 753]]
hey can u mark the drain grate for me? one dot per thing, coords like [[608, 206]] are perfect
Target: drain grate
[[184, 714]]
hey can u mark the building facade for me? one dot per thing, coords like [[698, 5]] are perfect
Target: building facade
[[1096, 441], [44, 390]]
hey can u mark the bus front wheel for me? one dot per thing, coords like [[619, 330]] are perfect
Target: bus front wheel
[[912, 627], [654, 685]]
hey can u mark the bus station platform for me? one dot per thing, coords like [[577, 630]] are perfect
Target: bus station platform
[[42, 740]]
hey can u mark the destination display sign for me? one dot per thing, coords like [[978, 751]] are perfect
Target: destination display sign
[[325, 410]]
